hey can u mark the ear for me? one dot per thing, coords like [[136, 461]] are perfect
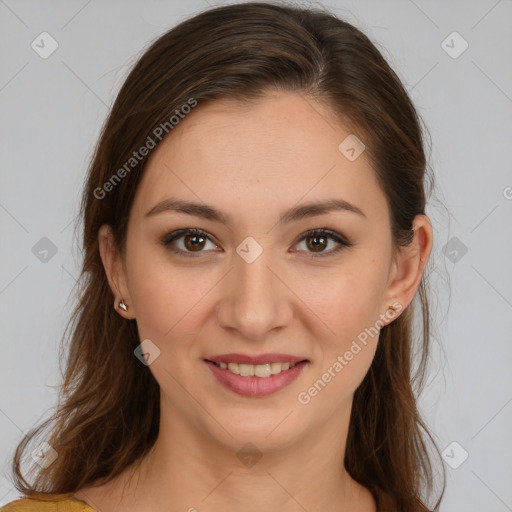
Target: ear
[[115, 271], [408, 266]]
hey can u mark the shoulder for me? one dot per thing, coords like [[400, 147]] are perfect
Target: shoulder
[[47, 503]]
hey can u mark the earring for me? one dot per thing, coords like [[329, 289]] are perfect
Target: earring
[[122, 305]]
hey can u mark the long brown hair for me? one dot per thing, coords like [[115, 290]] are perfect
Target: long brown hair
[[108, 413]]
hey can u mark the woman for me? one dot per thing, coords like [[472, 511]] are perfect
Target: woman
[[255, 212]]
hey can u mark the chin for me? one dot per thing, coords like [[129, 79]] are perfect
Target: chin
[[270, 430]]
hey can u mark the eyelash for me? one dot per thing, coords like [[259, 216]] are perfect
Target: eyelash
[[327, 233]]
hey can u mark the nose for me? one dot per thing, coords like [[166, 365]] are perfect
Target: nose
[[255, 299]]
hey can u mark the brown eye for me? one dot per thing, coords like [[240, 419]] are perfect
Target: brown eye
[[317, 241], [187, 242], [194, 242]]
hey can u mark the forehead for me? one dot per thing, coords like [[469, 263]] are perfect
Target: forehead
[[270, 151]]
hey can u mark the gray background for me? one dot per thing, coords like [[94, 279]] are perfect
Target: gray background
[[51, 113]]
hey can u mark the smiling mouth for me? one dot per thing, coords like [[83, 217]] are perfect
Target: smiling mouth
[[256, 370]]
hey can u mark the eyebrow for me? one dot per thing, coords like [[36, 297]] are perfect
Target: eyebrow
[[292, 215]]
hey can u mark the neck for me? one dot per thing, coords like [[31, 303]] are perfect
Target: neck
[[187, 471]]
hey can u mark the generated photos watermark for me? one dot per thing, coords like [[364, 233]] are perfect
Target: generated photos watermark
[[137, 156], [305, 397]]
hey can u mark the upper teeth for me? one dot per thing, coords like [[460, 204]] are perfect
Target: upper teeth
[[256, 370]]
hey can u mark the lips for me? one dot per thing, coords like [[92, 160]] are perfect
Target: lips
[[267, 358], [261, 384]]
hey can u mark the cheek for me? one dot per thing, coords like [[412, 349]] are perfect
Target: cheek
[[346, 300], [164, 296], [349, 308]]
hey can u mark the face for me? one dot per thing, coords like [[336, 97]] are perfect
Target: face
[[264, 274]]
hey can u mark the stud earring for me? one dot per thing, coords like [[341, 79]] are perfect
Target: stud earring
[[122, 305]]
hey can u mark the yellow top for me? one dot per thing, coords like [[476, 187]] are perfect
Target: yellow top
[[48, 503]]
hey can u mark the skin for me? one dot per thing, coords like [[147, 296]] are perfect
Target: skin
[[254, 162]]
